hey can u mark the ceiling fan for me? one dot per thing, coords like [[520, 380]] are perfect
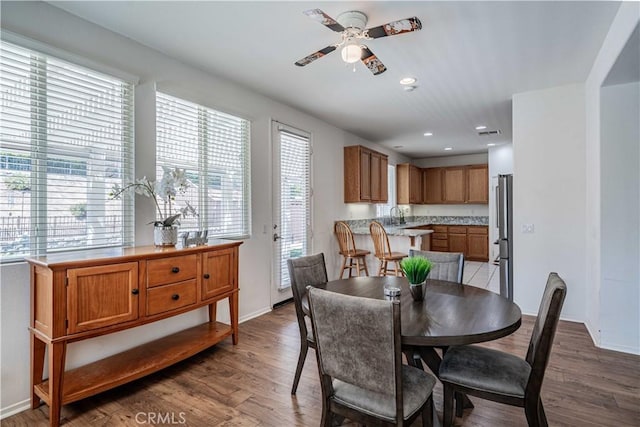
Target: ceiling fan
[[351, 26]]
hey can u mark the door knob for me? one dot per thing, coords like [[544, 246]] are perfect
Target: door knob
[[275, 237]]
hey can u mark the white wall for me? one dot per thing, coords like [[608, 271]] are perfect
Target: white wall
[[620, 210], [549, 192], [622, 27], [44, 23], [500, 163]]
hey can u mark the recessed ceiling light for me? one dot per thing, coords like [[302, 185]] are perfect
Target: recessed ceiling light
[[481, 127], [408, 80], [428, 134], [448, 149], [491, 144]]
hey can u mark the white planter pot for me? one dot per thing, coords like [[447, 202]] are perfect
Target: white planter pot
[[165, 235]]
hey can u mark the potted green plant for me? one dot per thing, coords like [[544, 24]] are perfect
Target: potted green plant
[[163, 193], [416, 269]]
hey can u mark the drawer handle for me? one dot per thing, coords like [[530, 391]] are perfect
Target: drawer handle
[[135, 291], [206, 275], [175, 270], [175, 297]]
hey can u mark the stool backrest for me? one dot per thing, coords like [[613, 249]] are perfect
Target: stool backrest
[[345, 238], [380, 239]]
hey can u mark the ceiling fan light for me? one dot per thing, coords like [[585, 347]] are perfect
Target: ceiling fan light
[[351, 53]]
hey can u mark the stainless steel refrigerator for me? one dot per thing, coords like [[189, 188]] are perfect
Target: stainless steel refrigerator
[[504, 206]]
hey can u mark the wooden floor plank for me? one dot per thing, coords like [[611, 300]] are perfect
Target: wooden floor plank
[[249, 385]]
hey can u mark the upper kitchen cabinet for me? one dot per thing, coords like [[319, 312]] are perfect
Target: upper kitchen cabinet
[[454, 185], [478, 184], [365, 175], [432, 185], [408, 184]]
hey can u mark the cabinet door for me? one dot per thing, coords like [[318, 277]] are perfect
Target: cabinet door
[[454, 184], [218, 272], [365, 175], [102, 296], [457, 238], [478, 243], [374, 171], [478, 184], [415, 184], [432, 185], [384, 175]]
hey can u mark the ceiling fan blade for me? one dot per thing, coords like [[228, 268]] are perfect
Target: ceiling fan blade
[[319, 54], [395, 27], [321, 17], [372, 62]]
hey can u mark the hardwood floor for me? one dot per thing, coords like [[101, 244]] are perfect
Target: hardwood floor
[[249, 385]]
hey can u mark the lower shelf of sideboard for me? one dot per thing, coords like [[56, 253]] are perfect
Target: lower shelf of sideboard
[[135, 363]]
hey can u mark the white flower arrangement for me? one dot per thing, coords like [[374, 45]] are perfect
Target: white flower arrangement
[[173, 182]]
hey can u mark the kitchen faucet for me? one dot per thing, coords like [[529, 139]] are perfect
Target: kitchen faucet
[[400, 216]]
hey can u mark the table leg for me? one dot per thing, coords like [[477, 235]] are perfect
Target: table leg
[[433, 360], [57, 353], [233, 315], [213, 309]]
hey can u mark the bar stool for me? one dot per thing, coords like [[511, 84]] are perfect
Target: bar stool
[[348, 250], [383, 250]]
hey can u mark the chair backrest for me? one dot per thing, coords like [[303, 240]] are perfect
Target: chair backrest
[[305, 271], [446, 265], [358, 342], [345, 238], [380, 239], [544, 330]]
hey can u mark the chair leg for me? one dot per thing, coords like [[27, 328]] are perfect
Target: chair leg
[[304, 347], [428, 413], [535, 413], [364, 264], [344, 266], [398, 270], [358, 266], [447, 417]]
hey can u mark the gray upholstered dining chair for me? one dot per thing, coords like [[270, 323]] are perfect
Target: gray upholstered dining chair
[[503, 377], [361, 372], [304, 271], [446, 265]]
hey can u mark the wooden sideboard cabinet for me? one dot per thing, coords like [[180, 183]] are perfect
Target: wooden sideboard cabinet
[[77, 296]]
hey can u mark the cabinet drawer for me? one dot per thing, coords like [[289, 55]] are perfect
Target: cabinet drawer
[[436, 235], [439, 228], [478, 230], [170, 270], [439, 244], [457, 230], [170, 297]]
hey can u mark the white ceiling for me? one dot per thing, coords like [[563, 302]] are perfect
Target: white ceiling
[[469, 58]]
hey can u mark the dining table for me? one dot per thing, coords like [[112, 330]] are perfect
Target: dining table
[[450, 314]]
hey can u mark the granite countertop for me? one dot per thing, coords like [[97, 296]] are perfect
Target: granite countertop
[[361, 226]]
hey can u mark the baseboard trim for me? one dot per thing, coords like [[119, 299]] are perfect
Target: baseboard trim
[[253, 315], [15, 408], [622, 349]]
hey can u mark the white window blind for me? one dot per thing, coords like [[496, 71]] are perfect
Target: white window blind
[[295, 199], [213, 148], [67, 138], [384, 209]]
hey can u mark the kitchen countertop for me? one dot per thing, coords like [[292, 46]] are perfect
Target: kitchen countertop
[[407, 229]]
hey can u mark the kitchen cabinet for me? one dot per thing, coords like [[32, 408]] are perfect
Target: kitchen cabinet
[[457, 238], [477, 184], [477, 243], [440, 239], [432, 185], [408, 184], [81, 295], [454, 185], [365, 175]]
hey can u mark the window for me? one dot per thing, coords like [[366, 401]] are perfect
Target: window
[[67, 138], [384, 209], [213, 147]]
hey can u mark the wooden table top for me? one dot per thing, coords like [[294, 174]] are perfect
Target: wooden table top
[[451, 314]]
